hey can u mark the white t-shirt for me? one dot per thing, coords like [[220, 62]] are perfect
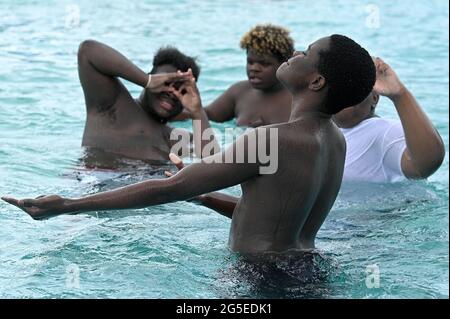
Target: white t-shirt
[[374, 151]]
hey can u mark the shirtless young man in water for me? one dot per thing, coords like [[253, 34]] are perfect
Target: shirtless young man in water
[[135, 128], [262, 99], [280, 211]]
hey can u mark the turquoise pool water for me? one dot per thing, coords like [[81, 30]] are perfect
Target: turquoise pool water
[[180, 250]]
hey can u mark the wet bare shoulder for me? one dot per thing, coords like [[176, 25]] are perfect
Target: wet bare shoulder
[[239, 88]]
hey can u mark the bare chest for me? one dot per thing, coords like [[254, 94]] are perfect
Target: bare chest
[[253, 110]]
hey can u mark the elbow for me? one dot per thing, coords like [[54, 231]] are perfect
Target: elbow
[[433, 163], [86, 47], [440, 154], [436, 159]]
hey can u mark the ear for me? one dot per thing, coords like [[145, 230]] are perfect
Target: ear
[[317, 83], [375, 99]]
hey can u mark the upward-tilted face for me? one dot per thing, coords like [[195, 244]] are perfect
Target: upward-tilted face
[[297, 73], [164, 105], [352, 116], [261, 70]]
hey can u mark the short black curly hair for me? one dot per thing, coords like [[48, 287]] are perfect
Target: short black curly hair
[[349, 71], [171, 55]]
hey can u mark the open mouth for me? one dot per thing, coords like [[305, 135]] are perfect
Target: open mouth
[[254, 80], [166, 105], [166, 102]]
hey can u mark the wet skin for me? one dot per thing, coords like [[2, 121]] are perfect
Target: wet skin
[[277, 212], [116, 122], [127, 129], [261, 100], [352, 116], [425, 149]]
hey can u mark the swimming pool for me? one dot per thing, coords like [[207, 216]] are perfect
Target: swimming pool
[[180, 250]]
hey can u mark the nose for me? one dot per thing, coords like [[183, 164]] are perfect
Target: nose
[[254, 67], [298, 53]]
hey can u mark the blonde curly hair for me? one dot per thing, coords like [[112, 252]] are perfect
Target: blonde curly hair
[[269, 39]]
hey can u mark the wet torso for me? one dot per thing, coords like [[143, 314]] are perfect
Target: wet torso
[[126, 129], [298, 197]]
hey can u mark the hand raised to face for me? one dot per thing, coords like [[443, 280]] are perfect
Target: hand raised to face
[[387, 84], [163, 82], [188, 94]]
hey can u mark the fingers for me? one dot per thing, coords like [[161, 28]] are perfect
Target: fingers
[[380, 65], [168, 89], [22, 204], [176, 160], [183, 77], [186, 76], [176, 93], [177, 76], [168, 174], [11, 200], [178, 163]]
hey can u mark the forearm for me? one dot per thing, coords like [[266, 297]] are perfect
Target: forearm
[[140, 195], [222, 203], [205, 143], [110, 62], [424, 144]]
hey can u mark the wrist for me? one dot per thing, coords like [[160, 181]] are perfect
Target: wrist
[[197, 113], [70, 205], [399, 94], [149, 80]]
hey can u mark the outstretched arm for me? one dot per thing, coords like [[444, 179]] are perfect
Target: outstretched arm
[[425, 150], [222, 203], [199, 178]]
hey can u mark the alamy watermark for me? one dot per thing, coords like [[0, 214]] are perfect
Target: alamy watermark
[[373, 19], [252, 146], [373, 276], [72, 16], [73, 276]]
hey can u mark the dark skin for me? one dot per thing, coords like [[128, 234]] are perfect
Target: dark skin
[[277, 212], [117, 123], [261, 100], [425, 149]]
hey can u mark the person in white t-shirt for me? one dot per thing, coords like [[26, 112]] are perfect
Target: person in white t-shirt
[[382, 150]]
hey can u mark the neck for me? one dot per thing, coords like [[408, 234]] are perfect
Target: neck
[[274, 88], [142, 101], [371, 115], [307, 106]]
